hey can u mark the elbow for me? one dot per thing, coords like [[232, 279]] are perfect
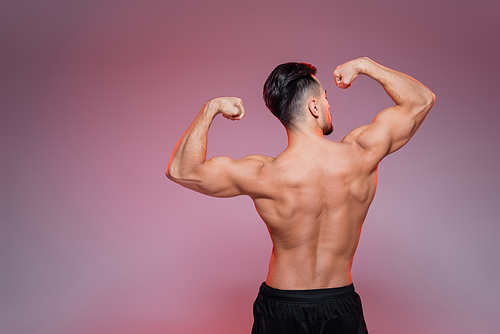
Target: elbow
[[425, 103], [181, 176], [172, 174], [421, 108], [168, 174], [431, 99], [428, 100], [176, 171]]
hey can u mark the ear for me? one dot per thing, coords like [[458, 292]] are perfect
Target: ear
[[312, 105]]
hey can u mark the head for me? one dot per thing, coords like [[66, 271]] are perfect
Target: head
[[289, 91]]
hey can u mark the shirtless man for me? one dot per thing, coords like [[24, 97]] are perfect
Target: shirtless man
[[314, 196]]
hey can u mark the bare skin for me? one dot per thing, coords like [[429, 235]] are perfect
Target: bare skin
[[315, 195]]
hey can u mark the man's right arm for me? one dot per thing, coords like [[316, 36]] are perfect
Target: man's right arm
[[393, 127]]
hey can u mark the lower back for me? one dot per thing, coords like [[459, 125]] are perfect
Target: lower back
[[295, 271]]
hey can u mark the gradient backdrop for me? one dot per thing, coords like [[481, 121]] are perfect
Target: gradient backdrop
[[95, 94]]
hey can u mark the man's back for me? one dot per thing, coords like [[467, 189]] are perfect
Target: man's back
[[318, 194]]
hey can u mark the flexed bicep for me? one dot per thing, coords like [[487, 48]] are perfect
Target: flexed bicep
[[393, 127], [188, 158], [390, 130]]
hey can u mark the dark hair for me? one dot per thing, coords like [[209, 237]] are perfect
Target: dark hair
[[286, 86]]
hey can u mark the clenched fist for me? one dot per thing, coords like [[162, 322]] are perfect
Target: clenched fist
[[230, 107], [345, 74]]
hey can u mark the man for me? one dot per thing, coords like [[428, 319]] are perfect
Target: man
[[314, 196]]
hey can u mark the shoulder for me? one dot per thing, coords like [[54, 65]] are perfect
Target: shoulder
[[225, 177], [251, 166], [367, 145], [245, 169], [356, 136], [371, 137], [251, 174]]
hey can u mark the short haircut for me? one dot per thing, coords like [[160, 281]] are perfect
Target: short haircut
[[286, 87]]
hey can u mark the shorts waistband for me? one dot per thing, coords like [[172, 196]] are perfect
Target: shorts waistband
[[314, 295]]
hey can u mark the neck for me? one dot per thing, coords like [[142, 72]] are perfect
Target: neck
[[300, 134]]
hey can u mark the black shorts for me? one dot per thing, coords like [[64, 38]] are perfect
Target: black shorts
[[334, 310]]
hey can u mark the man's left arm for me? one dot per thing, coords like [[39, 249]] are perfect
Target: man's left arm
[[219, 176]]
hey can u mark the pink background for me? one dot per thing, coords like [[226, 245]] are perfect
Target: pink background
[[94, 95]]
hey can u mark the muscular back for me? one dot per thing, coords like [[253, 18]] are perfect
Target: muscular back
[[317, 196]]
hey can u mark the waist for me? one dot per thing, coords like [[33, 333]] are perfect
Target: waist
[[296, 272], [306, 296]]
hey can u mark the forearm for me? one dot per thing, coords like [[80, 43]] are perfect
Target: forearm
[[191, 149], [405, 91]]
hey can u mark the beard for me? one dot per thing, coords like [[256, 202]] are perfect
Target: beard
[[329, 131]]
